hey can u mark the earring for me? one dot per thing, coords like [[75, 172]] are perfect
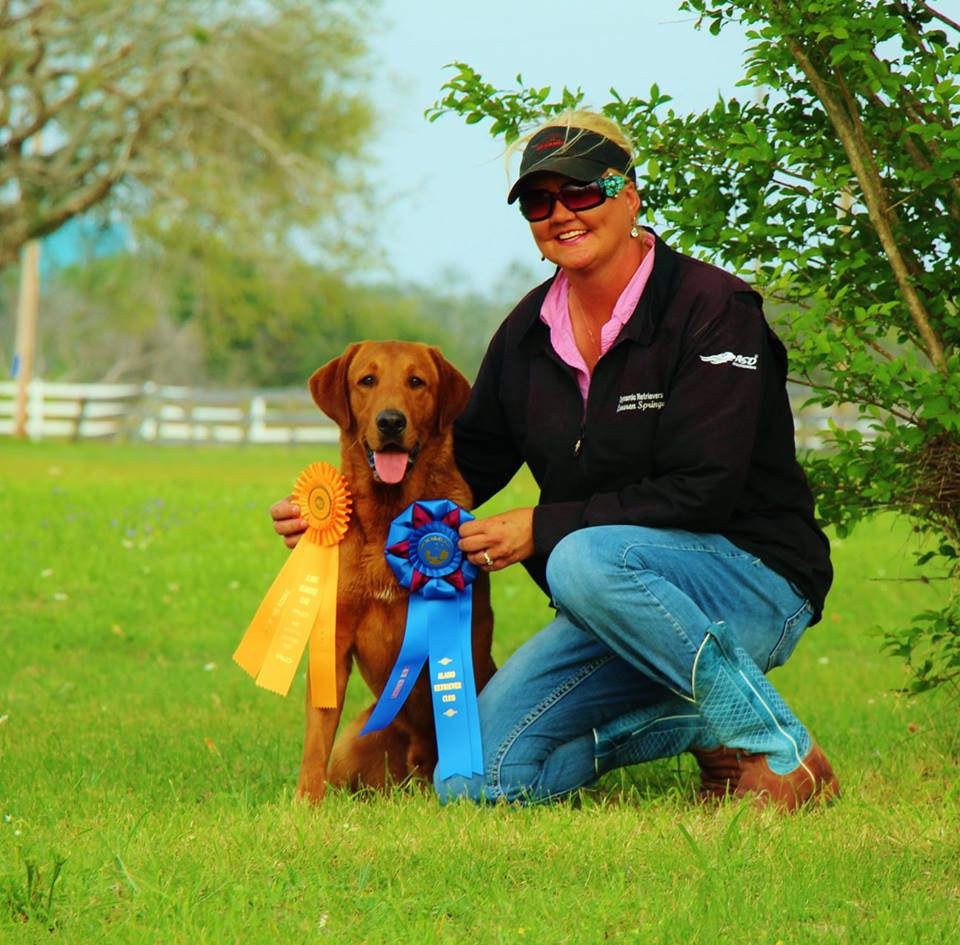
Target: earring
[[542, 258], [634, 231]]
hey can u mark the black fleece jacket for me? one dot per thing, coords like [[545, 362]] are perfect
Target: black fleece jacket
[[687, 425]]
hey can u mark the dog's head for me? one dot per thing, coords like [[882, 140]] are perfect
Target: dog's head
[[395, 396]]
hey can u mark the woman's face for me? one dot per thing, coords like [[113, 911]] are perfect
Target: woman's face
[[586, 239]]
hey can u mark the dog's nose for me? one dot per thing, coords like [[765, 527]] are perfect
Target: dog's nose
[[391, 423]]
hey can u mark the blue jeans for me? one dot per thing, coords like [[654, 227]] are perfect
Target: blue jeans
[[633, 606]]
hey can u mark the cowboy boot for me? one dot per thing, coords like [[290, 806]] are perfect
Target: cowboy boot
[[665, 730], [779, 762], [719, 772], [812, 781]]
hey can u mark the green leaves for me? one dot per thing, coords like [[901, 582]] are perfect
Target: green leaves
[[510, 111], [931, 647]]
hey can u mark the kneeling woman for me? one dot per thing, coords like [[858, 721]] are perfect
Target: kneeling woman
[[674, 533]]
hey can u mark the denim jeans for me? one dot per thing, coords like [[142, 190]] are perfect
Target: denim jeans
[[633, 606]]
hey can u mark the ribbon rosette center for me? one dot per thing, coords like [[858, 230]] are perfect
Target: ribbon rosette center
[[427, 559], [319, 503]]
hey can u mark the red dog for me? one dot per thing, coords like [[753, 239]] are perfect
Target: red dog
[[395, 403]]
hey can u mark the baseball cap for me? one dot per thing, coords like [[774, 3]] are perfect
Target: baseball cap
[[574, 152]]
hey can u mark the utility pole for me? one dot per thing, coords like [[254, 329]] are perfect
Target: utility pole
[[26, 342]]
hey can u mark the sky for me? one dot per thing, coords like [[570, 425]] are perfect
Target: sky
[[444, 183]]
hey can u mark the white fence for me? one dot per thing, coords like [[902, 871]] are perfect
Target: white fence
[[166, 414], [197, 415]]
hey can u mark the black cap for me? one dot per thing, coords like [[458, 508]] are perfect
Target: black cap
[[574, 152]]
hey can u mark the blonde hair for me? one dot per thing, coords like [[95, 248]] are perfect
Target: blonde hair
[[574, 118]]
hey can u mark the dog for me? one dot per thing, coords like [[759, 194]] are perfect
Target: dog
[[395, 403]]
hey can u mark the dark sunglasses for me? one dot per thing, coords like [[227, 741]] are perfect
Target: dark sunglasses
[[536, 204]]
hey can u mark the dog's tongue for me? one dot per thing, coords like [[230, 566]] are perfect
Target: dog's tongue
[[390, 465]]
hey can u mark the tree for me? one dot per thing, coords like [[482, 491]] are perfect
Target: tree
[[155, 315], [838, 194], [233, 118]]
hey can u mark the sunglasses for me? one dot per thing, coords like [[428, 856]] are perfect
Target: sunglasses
[[536, 204]]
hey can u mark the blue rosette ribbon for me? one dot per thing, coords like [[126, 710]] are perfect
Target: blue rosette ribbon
[[422, 551]]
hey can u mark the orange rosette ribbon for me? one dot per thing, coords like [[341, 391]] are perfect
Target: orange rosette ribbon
[[301, 604]]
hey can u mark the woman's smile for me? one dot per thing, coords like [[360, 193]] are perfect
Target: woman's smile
[[571, 236]]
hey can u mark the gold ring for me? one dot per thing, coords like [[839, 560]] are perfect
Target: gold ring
[[487, 560]]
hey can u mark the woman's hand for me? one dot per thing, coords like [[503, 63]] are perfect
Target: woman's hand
[[500, 540], [287, 522]]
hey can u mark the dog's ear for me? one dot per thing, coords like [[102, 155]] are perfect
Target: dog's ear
[[330, 390], [454, 391]]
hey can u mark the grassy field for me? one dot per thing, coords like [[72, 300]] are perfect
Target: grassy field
[[146, 783]]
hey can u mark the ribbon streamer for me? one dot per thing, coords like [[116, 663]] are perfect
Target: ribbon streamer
[[422, 551], [301, 604]]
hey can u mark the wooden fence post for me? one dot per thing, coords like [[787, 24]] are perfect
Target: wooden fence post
[[81, 416], [258, 414], [34, 424]]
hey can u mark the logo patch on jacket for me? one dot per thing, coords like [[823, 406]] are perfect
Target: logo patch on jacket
[[749, 362], [640, 401]]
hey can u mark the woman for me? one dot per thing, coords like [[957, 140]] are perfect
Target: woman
[[674, 532]]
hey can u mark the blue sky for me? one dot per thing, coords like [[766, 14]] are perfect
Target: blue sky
[[445, 184]]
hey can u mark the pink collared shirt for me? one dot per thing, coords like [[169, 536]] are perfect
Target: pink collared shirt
[[555, 313]]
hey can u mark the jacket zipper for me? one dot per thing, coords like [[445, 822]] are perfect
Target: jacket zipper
[[578, 446]]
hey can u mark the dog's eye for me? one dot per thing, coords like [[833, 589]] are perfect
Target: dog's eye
[[416, 381], [368, 380]]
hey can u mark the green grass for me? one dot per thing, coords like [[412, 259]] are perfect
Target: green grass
[[146, 783]]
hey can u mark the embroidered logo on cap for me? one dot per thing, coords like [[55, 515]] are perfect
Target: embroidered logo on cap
[[552, 143]]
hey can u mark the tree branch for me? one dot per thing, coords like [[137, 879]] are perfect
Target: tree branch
[[94, 192], [291, 163], [28, 14], [861, 398], [909, 104], [908, 101], [51, 110], [873, 191], [869, 342], [940, 16]]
